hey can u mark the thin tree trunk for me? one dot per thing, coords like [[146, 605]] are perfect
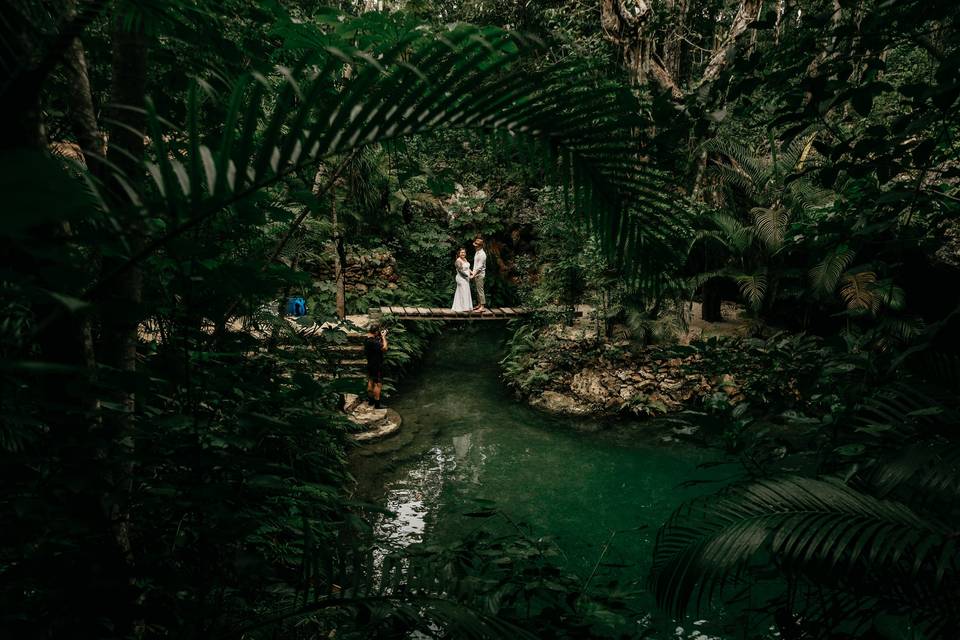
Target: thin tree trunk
[[83, 122], [82, 116], [340, 265], [120, 317], [285, 238], [126, 152], [696, 191]]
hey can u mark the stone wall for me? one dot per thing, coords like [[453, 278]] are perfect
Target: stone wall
[[366, 269]]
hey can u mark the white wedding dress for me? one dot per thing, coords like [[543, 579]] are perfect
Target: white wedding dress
[[462, 300]]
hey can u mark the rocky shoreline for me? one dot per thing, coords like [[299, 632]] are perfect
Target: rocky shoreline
[[568, 371], [655, 382]]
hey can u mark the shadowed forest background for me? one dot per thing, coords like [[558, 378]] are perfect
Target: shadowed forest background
[[173, 454]]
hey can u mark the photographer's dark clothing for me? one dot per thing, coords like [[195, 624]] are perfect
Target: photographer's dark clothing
[[373, 349]]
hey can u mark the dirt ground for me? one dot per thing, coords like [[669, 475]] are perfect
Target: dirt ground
[[734, 323]]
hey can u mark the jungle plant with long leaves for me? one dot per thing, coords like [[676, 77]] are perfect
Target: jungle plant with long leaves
[[871, 547], [459, 79], [779, 195]]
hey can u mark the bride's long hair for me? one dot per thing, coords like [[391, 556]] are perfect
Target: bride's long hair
[[459, 251]]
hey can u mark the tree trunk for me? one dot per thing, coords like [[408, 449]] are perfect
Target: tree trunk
[[120, 315], [629, 28], [126, 152], [340, 264], [748, 12], [710, 309], [83, 122], [82, 116]]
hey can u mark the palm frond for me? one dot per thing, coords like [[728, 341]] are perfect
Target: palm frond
[[926, 470], [895, 331], [736, 235], [771, 224], [753, 287], [903, 410], [939, 368], [889, 294], [857, 292], [807, 525], [826, 274], [465, 78], [700, 279]]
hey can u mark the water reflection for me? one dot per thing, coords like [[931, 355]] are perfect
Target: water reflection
[[472, 443]]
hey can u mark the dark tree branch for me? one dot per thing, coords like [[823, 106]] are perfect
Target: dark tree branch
[[28, 82]]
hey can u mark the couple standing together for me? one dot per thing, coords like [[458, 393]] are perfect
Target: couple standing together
[[462, 300]]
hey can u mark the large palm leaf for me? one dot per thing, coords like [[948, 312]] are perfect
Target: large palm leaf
[[822, 529], [771, 225], [826, 274], [464, 78]]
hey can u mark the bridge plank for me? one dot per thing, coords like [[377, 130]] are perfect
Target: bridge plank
[[437, 313]]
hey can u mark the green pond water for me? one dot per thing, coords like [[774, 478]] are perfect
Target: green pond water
[[465, 438]]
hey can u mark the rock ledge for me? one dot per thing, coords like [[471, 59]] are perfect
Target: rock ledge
[[376, 423]]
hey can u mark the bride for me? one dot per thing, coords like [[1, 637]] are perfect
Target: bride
[[462, 300]]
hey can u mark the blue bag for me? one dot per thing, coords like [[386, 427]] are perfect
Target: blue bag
[[296, 306]]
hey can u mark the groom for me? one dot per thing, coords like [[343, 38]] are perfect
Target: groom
[[479, 271]]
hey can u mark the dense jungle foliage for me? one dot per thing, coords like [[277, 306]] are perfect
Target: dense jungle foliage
[[173, 460]]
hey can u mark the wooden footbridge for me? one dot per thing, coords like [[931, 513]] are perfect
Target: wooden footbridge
[[424, 313]]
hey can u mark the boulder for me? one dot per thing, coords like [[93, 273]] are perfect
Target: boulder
[[560, 404], [375, 423]]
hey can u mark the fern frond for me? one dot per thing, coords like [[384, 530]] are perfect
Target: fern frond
[[746, 168], [807, 196], [793, 156]]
